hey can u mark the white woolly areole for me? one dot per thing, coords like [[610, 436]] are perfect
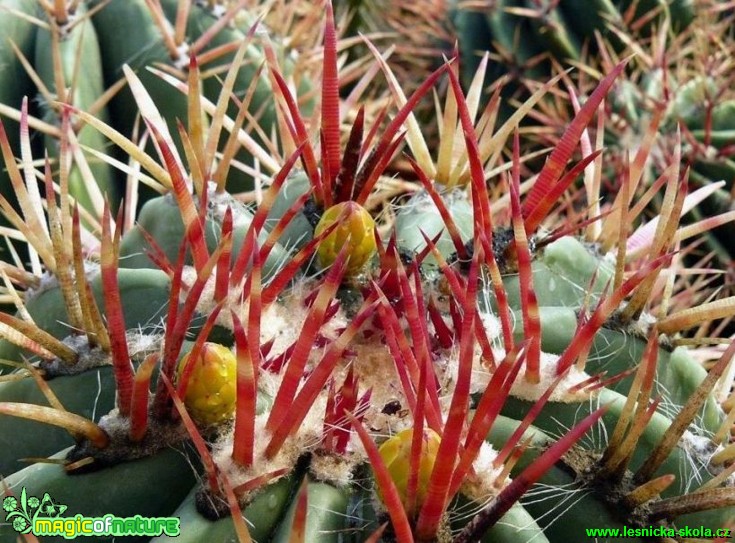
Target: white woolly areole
[[387, 412], [236, 474], [335, 468], [547, 371], [280, 322], [702, 449], [307, 438], [491, 324], [181, 62], [481, 374], [480, 486]]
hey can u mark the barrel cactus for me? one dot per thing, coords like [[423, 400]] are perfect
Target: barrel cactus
[[72, 53], [669, 90], [660, 106], [409, 385], [526, 36], [678, 79]]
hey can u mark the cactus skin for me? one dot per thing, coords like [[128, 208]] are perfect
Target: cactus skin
[[327, 516], [160, 218], [563, 275], [592, 511], [145, 294], [557, 416], [41, 439], [263, 515], [420, 214], [688, 97], [300, 230], [705, 106], [79, 43]]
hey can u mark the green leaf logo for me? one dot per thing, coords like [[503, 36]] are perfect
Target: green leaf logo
[[23, 511]]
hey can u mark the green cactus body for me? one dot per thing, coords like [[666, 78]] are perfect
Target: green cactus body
[[145, 296], [562, 276], [300, 230], [262, 516], [333, 514], [518, 524], [556, 512], [689, 465], [417, 215], [420, 214], [128, 35], [16, 83], [88, 391], [617, 350], [325, 369], [161, 219], [90, 394], [713, 163], [584, 18], [124, 26], [565, 273], [511, 30], [562, 27], [555, 31], [326, 516], [571, 263], [527, 37], [681, 12], [474, 29], [262, 107], [688, 105]]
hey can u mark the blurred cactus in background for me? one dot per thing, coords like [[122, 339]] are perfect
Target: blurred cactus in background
[[679, 78], [71, 53]]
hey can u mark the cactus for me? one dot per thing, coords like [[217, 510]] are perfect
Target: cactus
[[663, 89], [674, 94], [449, 334], [416, 31], [71, 54], [528, 35]]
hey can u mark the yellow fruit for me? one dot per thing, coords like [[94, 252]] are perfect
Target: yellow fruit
[[396, 453], [211, 391], [356, 230]]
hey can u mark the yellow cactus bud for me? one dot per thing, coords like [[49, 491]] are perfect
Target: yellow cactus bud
[[396, 453], [356, 230], [211, 391]]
